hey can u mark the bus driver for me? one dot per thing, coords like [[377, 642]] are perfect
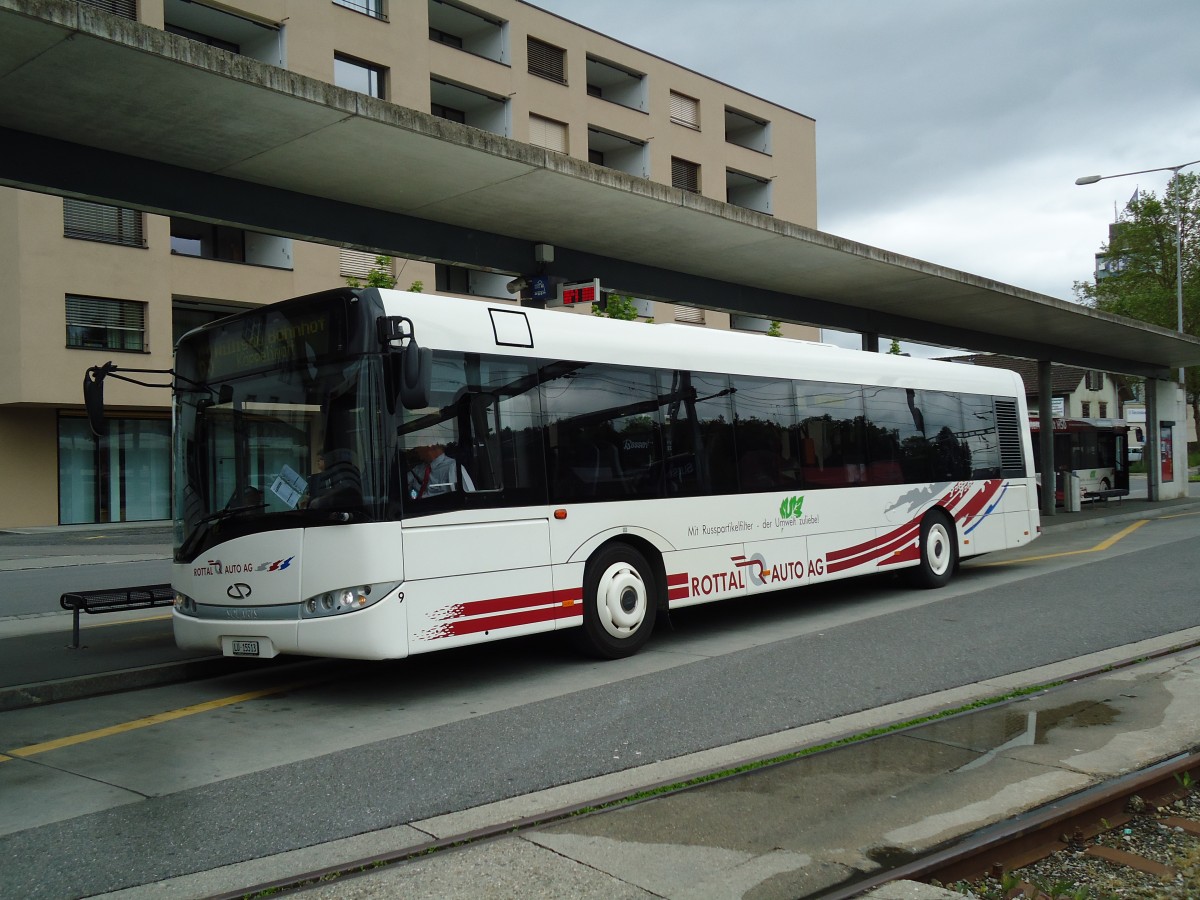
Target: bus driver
[[436, 473]]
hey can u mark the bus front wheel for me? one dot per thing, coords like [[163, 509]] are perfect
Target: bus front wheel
[[939, 551], [619, 602]]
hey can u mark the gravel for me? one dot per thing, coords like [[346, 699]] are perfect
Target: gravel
[[1073, 874]]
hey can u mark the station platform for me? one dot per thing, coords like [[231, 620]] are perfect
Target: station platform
[[785, 830]]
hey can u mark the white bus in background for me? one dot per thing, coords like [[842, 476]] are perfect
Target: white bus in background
[[374, 474], [1095, 451]]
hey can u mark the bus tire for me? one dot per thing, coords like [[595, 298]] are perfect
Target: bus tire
[[939, 551], [619, 602]]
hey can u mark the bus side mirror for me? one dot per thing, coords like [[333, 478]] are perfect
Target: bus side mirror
[[416, 373], [93, 397]]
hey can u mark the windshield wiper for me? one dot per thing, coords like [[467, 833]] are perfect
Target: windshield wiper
[[228, 513]]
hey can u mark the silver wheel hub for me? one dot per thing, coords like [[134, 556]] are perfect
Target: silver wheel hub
[[937, 549], [621, 600]]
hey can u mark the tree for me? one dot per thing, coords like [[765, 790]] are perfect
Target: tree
[[895, 350], [618, 306], [1141, 274], [379, 276]]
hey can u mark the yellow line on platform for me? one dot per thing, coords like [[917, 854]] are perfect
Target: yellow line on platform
[[1099, 548], [145, 722]]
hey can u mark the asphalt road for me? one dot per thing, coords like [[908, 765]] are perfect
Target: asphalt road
[[367, 746]]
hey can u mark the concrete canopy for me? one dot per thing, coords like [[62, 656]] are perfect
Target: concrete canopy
[[90, 107]]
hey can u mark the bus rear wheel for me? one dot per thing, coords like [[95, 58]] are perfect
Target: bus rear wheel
[[939, 551], [619, 602]]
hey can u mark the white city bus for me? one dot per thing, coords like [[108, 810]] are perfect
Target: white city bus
[[343, 491]]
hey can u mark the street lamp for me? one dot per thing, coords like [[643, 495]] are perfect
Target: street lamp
[[1092, 179]]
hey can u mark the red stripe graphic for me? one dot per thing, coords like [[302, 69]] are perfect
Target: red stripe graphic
[[677, 587], [863, 553], [474, 616], [959, 501]]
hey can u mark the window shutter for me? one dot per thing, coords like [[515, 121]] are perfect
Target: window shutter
[[113, 324], [100, 222], [689, 314], [547, 61], [548, 133], [356, 263], [685, 110], [126, 9], [685, 175]]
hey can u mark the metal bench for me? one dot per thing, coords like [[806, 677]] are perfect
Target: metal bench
[[114, 600]]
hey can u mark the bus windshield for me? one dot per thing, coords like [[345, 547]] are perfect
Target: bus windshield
[[296, 442]]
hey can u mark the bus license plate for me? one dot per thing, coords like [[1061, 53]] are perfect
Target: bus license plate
[[245, 648]]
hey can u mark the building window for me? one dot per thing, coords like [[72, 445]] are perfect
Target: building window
[[356, 75], [468, 106], [747, 131], [685, 110], [1094, 380], [207, 241], [1103, 404], [748, 191], [607, 148], [547, 61], [124, 477], [452, 279], [1085, 409], [228, 244], [126, 9], [95, 323], [201, 38], [689, 314], [616, 84], [372, 8], [685, 175], [99, 222], [548, 133], [224, 30], [443, 37], [468, 30], [448, 113]]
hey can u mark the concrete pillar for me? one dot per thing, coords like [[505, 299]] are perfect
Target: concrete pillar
[[1151, 451], [1046, 434], [870, 341]]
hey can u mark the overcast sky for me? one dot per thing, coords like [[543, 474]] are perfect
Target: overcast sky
[[953, 130]]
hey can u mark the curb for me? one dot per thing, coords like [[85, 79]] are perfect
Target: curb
[[22, 696]]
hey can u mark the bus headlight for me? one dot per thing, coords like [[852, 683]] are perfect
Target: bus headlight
[[344, 600], [185, 604]]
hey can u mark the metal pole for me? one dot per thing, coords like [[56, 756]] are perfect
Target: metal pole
[[1179, 273], [1046, 435]]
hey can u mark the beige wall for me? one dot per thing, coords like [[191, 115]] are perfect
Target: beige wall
[[29, 461], [39, 375], [315, 31]]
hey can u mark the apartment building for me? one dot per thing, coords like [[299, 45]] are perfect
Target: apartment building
[[89, 282]]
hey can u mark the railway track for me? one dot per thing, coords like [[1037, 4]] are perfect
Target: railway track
[[1141, 832]]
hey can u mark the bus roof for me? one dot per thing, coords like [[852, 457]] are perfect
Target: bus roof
[[453, 323]]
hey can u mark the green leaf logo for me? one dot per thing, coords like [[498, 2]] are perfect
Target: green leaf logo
[[791, 507]]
